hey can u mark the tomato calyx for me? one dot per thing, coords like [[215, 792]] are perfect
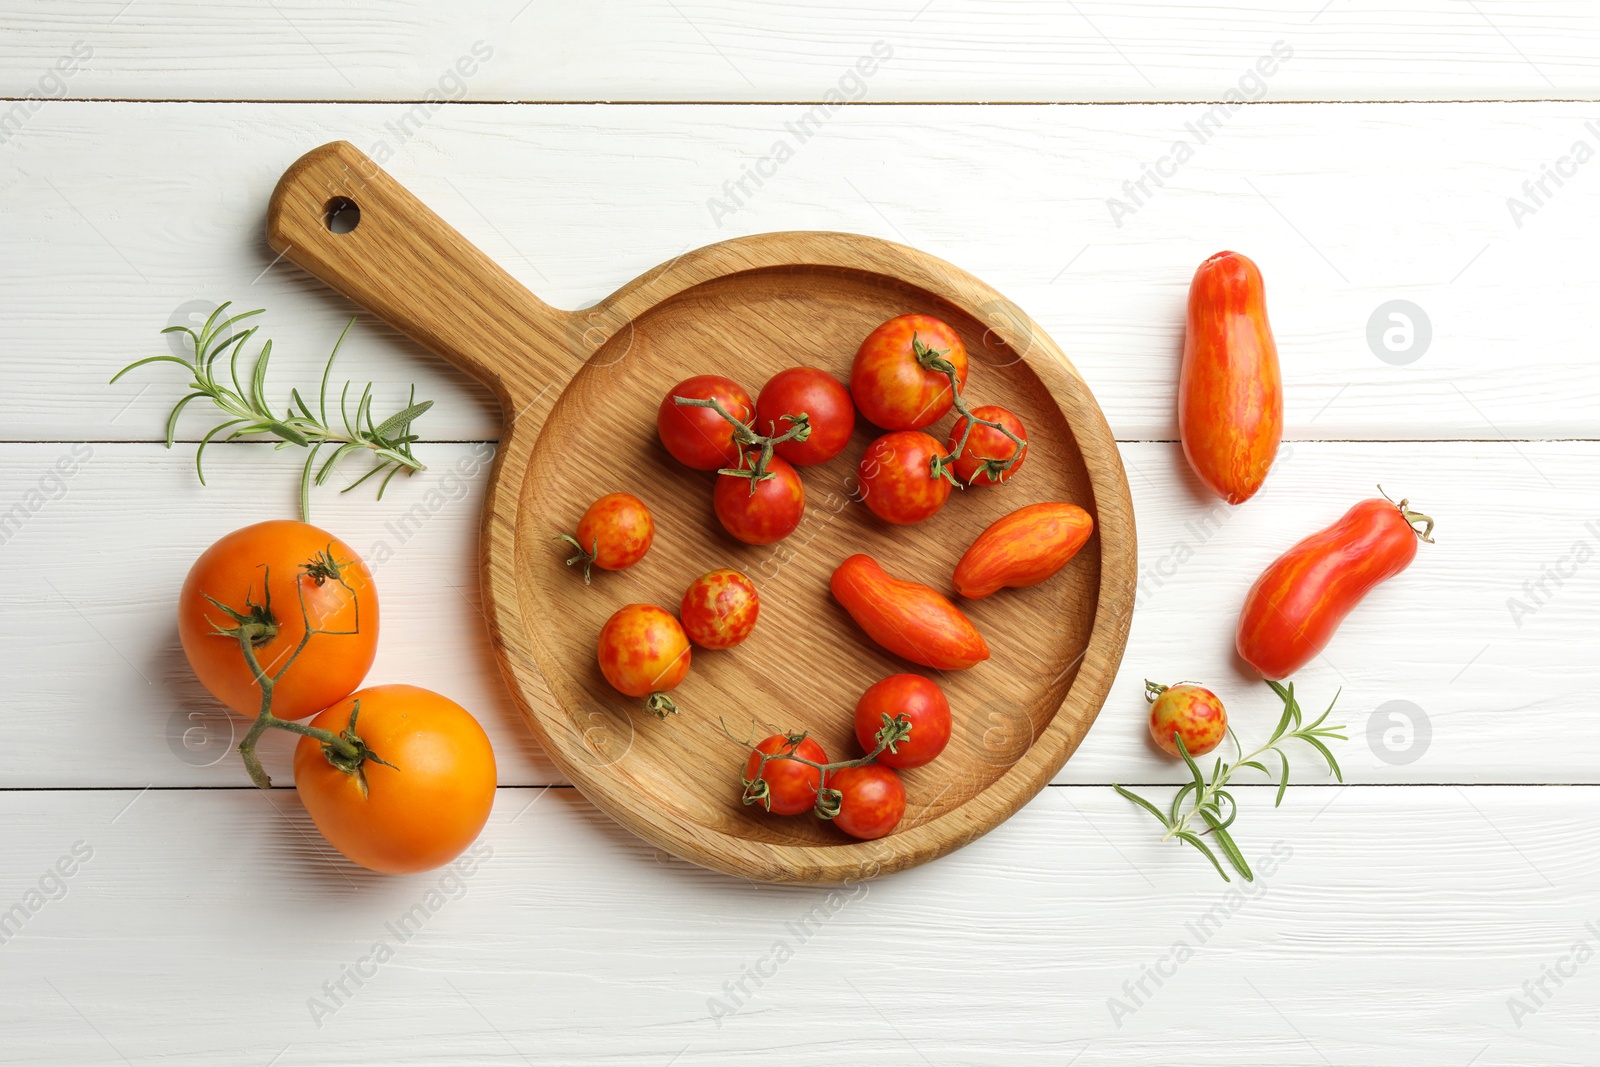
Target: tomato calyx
[[746, 437], [932, 359], [1152, 690], [255, 624], [352, 755], [1412, 518], [893, 731], [586, 555], [660, 705], [324, 567]]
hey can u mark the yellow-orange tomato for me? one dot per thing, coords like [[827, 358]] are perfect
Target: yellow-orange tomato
[[422, 812], [1193, 713], [263, 572], [643, 650], [615, 533], [1023, 548], [720, 608]]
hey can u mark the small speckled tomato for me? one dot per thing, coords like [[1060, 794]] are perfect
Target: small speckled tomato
[[613, 534], [720, 609], [895, 377], [922, 703], [1193, 713], [698, 437], [986, 446], [769, 514], [872, 800], [897, 481], [644, 652], [826, 405], [791, 786]]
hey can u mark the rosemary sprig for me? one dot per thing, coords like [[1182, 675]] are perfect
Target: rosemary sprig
[[249, 412], [1208, 795]]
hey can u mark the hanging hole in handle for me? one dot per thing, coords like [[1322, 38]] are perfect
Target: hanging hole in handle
[[341, 215]]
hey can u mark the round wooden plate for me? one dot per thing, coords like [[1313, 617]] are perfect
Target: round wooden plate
[[579, 391]]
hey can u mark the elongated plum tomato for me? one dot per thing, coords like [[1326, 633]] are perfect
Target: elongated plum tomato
[[906, 618], [418, 814], [1292, 611], [872, 800], [769, 514], [986, 446], [720, 608], [614, 534], [922, 703], [699, 437], [263, 572], [1230, 391], [791, 785], [892, 380], [896, 475], [1023, 548], [826, 405], [643, 650], [1193, 713]]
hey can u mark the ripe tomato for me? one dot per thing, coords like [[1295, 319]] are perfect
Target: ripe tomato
[[1291, 612], [791, 786], [1193, 713], [825, 402], [613, 534], [986, 443], [890, 380], [418, 814], [644, 652], [920, 701], [699, 437], [872, 801], [1230, 390], [908, 619], [720, 608], [897, 481], [769, 514], [263, 572], [1022, 548]]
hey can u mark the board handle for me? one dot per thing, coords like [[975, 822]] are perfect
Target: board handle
[[341, 217]]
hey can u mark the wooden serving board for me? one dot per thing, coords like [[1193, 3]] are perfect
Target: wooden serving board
[[579, 391]]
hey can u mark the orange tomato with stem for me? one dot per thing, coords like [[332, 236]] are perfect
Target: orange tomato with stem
[[643, 652], [614, 533], [1188, 711], [895, 378], [1023, 548]]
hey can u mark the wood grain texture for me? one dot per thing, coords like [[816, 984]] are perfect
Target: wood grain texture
[[118, 216], [742, 308], [978, 50]]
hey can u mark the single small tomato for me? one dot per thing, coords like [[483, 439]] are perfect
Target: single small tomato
[[698, 437], [896, 475], [907, 618], [895, 378], [769, 514], [1230, 389], [644, 653], [423, 804], [1292, 611], [1193, 713], [791, 787], [872, 800], [987, 447], [614, 534], [1023, 548], [264, 573], [922, 702], [720, 608], [826, 405]]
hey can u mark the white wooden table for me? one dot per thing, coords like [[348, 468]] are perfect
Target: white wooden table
[[1444, 908]]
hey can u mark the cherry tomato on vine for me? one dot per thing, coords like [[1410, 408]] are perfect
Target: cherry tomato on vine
[[423, 810], [791, 786], [614, 534], [890, 379], [896, 475], [699, 437], [720, 608], [644, 652], [264, 572], [769, 514], [1193, 713], [987, 443], [826, 404], [872, 800], [922, 702]]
